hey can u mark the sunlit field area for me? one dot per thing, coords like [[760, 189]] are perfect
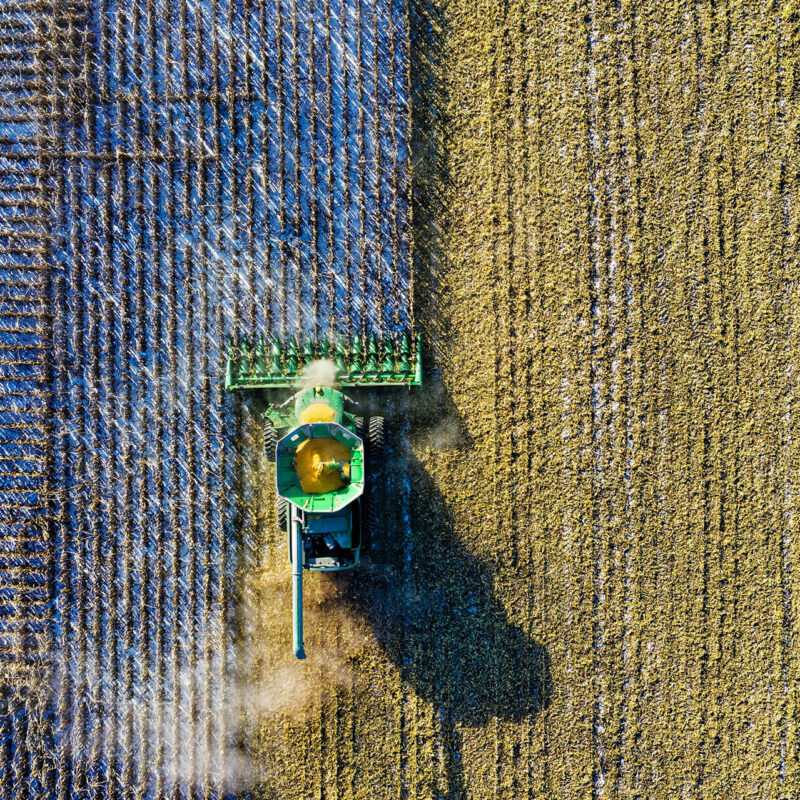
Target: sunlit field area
[[586, 579]]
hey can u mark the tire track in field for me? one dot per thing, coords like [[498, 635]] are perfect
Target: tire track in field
[[723, 451], [542, 412], [518, 562], [527, 743]]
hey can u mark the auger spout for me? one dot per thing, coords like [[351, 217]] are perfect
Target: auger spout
[[418, 364], [297, 589]]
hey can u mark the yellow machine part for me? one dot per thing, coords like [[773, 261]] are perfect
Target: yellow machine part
[[316, 412], [311, 458]]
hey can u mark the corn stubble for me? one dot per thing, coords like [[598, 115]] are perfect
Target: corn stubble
[[620, 261], [606, 234], [586, 582]]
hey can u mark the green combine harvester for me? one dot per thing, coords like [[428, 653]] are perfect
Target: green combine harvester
[[322, 450]]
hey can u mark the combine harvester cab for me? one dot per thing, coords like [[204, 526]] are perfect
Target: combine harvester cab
[[319, 447]]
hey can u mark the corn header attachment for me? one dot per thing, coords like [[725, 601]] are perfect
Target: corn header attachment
[[271, 365]]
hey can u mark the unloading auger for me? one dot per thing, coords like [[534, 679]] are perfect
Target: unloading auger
[[320, 448]]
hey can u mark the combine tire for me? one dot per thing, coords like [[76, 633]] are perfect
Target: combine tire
[[369, 521], [375, 438], [360, 430], [270, 441], [283, 513], [370, 514]]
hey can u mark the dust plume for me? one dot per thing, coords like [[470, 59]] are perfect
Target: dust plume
[[436, 422], [272, 681], [321, 372]]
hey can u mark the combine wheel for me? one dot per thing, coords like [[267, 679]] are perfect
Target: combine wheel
[[360, 429], [283, 513], [270, 441], [375, 438], [369, 520], [370, 513]]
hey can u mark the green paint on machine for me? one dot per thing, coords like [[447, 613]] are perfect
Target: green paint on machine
[[358, 362]]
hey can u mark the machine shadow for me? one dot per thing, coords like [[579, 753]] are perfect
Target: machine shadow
[[432, 608]]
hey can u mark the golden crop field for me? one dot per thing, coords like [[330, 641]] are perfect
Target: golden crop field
[[589, 584], [586, 582]]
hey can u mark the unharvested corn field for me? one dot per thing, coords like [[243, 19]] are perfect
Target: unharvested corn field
[[587, 581]]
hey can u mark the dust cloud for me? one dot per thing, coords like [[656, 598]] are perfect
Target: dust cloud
[[321, 372], [274, 691]]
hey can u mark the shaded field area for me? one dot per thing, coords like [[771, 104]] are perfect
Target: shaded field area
[[586, 580]]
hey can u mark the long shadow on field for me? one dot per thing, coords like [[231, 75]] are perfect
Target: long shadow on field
[[432, 607], [430, 601]]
